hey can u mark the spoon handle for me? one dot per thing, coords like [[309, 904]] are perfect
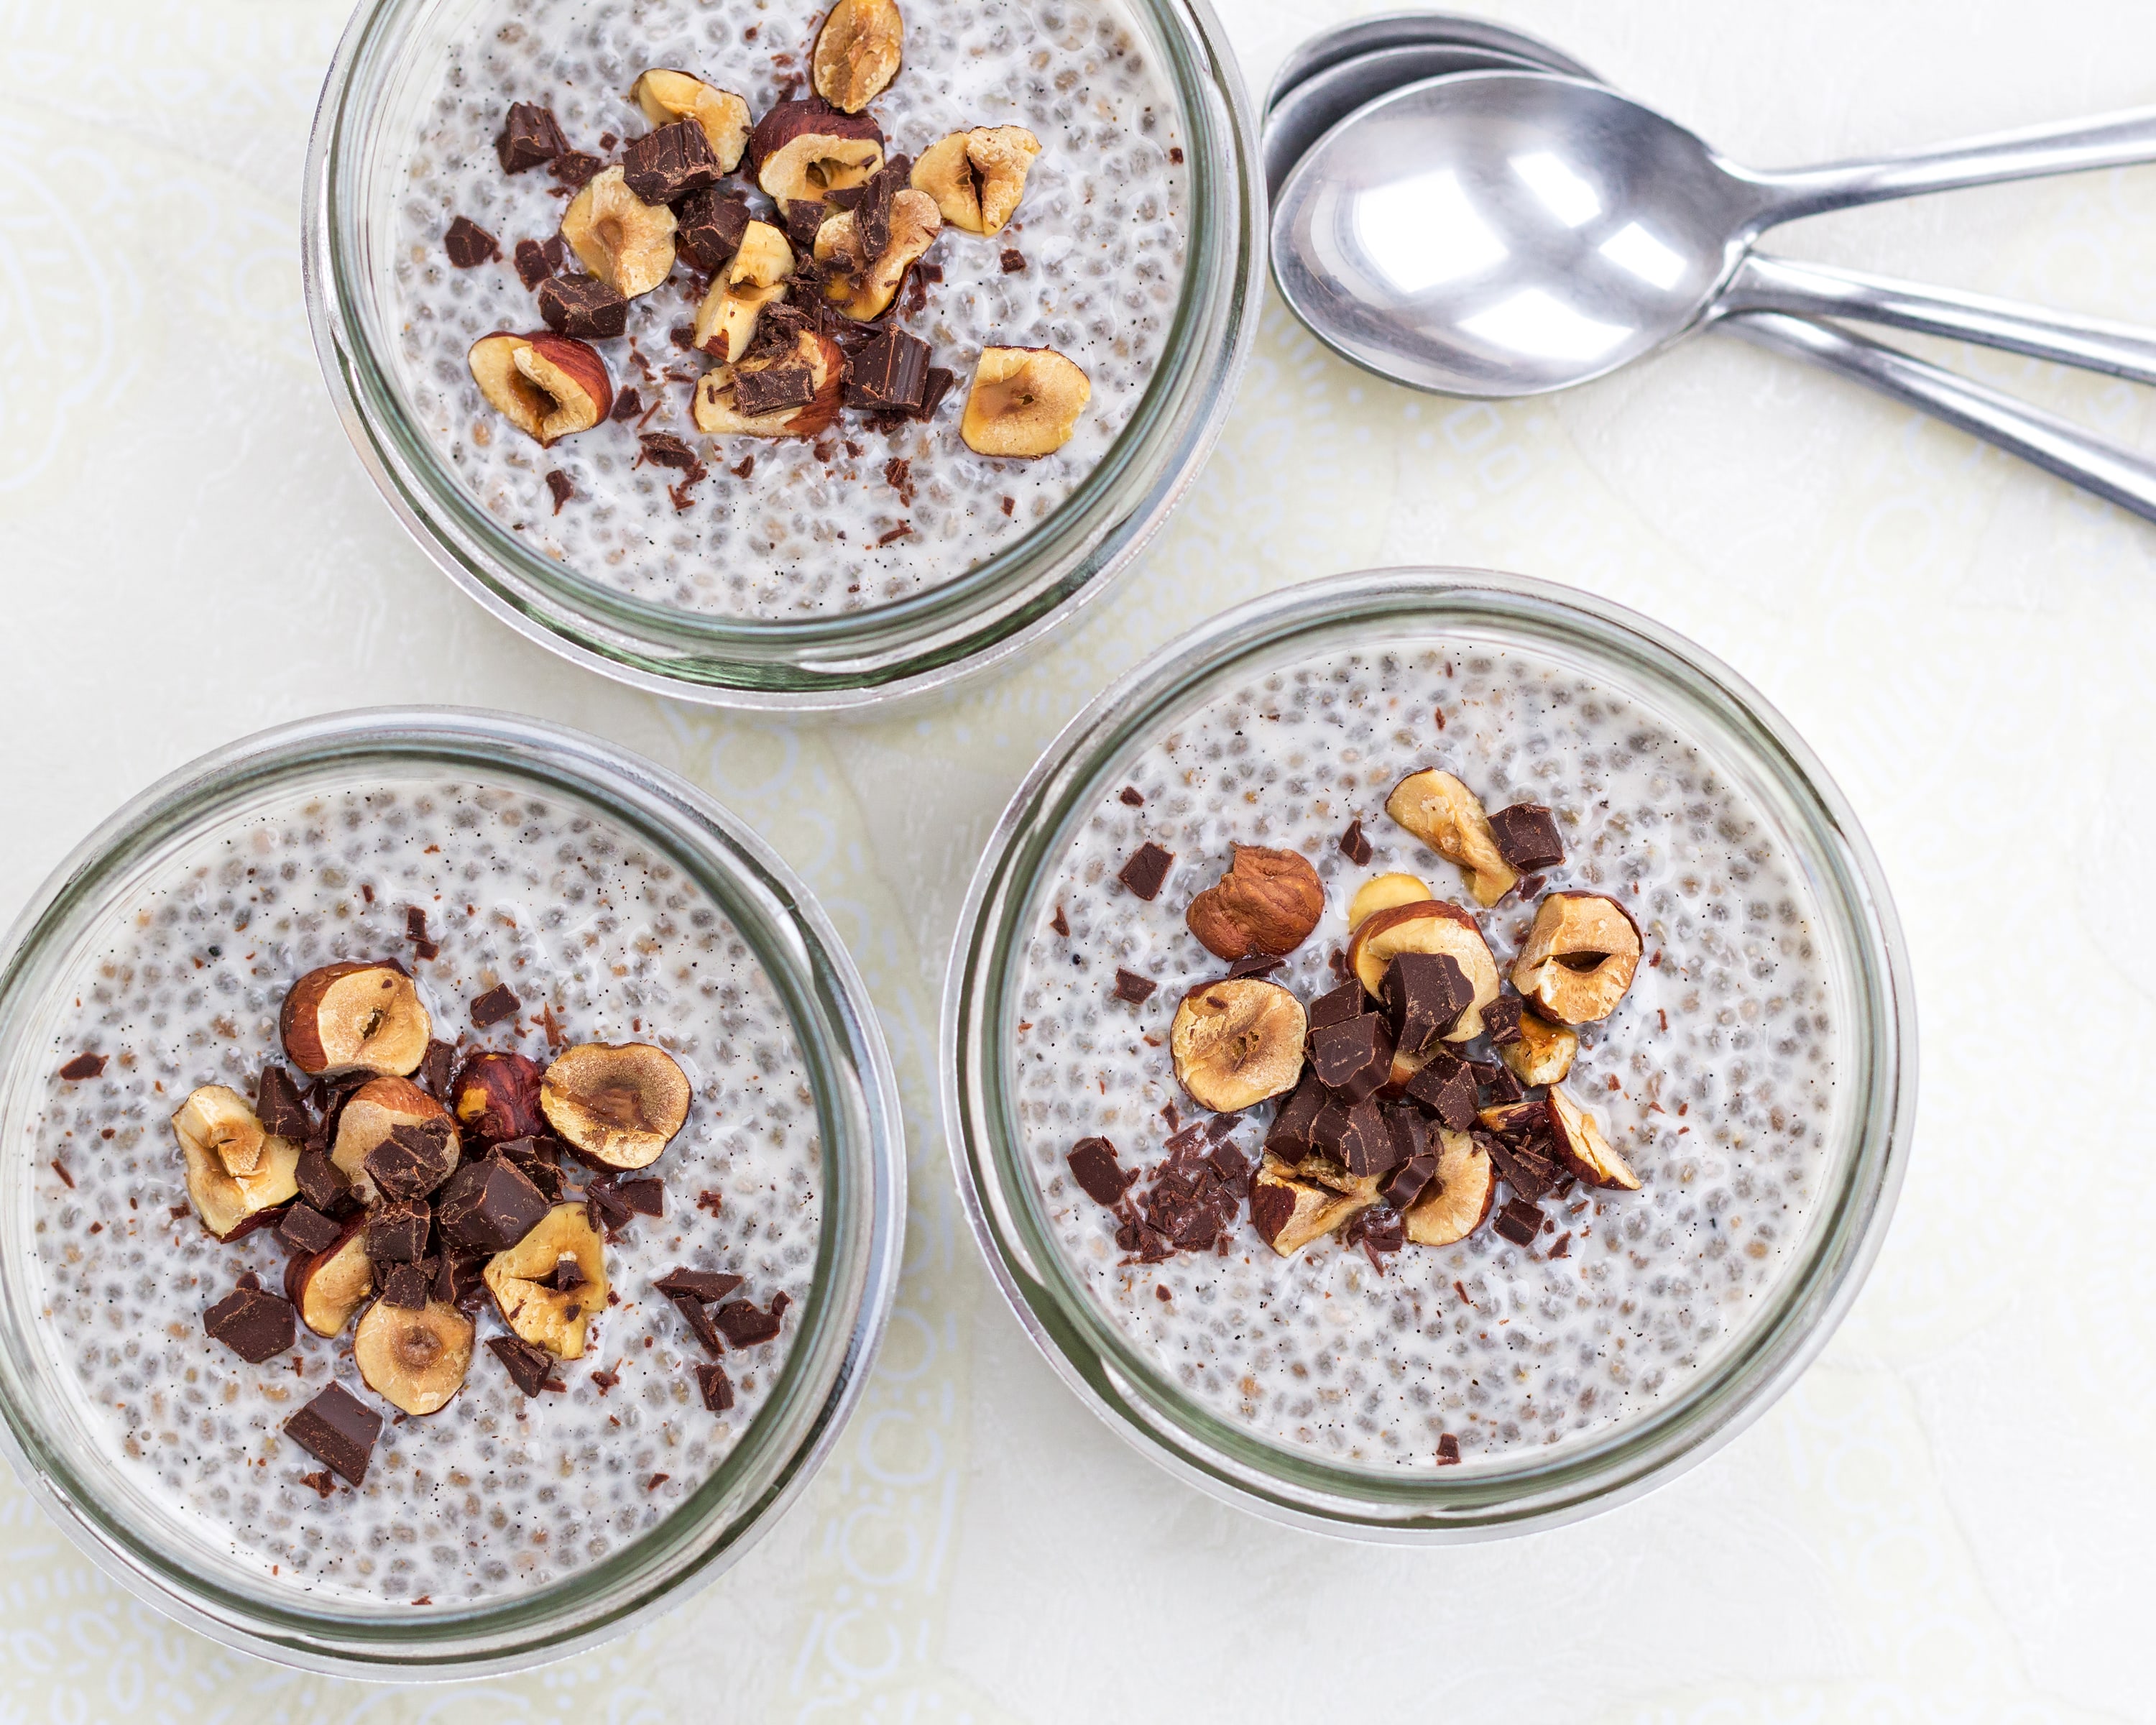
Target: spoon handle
[[2108, 141], [2058, 446], [1816, 291]]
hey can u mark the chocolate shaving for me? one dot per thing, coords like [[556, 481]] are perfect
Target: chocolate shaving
[[534, 263], [698, 1321], [627, 405], [1013, 261], [561, 487]]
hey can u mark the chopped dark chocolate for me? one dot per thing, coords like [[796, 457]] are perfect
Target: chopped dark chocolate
[[321, 1183], [1529, 1173], [1147, 870], [746, 1325], [1500, 1019], [709, 227], [531, 135], [1254, 964], [1407, 1182], [583, 306], [1099, 1175], [468, 245], [338, 1430], [1519, 1222], [413, 1160], [533, 263], [306, 1229], [1448, 1450], [1013, 261], [397, 1232], [1133, 987], [699, 1322], [716, 1387], [1424, 995], [890, 373], [1502, 1086], [803, 217], [461, 1279], [773, 389], [644, 1197], [1368, 1146], [671, 163], [560, 487], [407, 1286], [574, 167], [941, 380], [83, 1065], [254, 1324], [1336, 1006], [1446, 1087], [1353, 845], [438, 1069], [1410, 1133], [627, 404], [704, 1285], [605, 1206], [497, 1006], [1527, 837], [662, 448], [491, 1204], [530, 1367], [567, 1274], [1289, 1137], [1351, 1059], [278, 1106], [1378, 1230]]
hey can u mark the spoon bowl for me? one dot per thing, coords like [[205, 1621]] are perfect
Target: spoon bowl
[[1403, 29]]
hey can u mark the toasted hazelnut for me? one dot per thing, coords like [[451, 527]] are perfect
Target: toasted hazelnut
[[220, 1122], [1583, 1149], [1459, 1198], [1235, 1043], [1543, 1053], [1448, 817], [372, 1112], [1581, 956], [231, 1204], [713, 407], [496, 1097], [857, 53], [549, 386], [1428, 925], [1289, 1212], [666, 95], [1267, 902], [415, 1361], [757, 277], [1024, 401], [521, 1282], [1381, 893], [617, 1104], [328, 1286], [802, 149], [977, 178], [347, 1016], [863, 289], [626, 243]]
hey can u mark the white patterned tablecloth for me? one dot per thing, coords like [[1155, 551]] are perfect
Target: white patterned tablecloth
[[1952, 1516]]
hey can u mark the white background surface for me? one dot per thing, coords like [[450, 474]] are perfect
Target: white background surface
[[1952, 1517]]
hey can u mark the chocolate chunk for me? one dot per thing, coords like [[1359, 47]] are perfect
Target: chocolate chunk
[[533, 264], [1289, 1137], [406, 1285], [574, 167], [583, 306], [397, 1232], [627, 405], [662, 448], [941, 383], [890, 373], [1519, 1222], [1147, 870], [1517, 1122], [531, 135], [1408, 1181], [745, 1325], [1446, 1087], [644, 1197], [1448, 1450], [773, 389], [1013, 261], [438, 1069], [1500, 1019], [254, 1325], [1131, 796], [1410, 1133], [411, 1161], [710, 226], [529, 1366], [1529, 1173], [83, 1065], [1336, 1006], [468, 245], [278, 1106], [560, 486], [1379, 1231], [1366, 1145], [803, 218], [704, 1285], [669, 163], [460, 1279], [535, 1159], [321, 1183], [1133, 987], [497, 1006], [716, 1387], [604, 1206], [491, 1204], [567, 1274], [1099, 1175], [1254, 964], [338, 1430], [1231, 1165], [1353, 845], [699, 1322], [872, 211], [1351, 1060], [1502, 1086], [1527, 836], [306, 1229], [1423, 994]]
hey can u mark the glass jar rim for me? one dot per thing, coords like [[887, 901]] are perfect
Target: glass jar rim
[[915, 645], [841, 1322], [1090, 1352]]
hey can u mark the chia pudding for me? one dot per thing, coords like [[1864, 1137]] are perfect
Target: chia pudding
[[1591, 1265], [873, 490], [525, 923]]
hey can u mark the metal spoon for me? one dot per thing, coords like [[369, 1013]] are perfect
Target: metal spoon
[[1403, 29]]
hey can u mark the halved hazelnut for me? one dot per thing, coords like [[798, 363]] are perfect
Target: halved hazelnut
[[415, 1361], [374, 1110], [717, 406], [1267, 903], [977, 178], [857, 53], [1289, 1213], [1024, 401], [863, 288], [619, 1104], [496, 1097], [1459, 1198], [626, 243], [725, 320], [802, 149], [667, 95], [220, 1122], [1581, 956], [1236, 1042], [230, 1204], [1583, 1149], [1427, 925], [1543, 1053], [328, 1285], [521, 1282], [1381, 893], [347, 1016], [549, 386], [1448, 817]]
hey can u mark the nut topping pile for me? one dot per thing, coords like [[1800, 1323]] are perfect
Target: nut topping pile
[[1392, 1126], [804, 266]]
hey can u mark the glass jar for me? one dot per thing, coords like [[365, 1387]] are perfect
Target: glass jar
[[147, 1545], [1864, 961], [385, 72]]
